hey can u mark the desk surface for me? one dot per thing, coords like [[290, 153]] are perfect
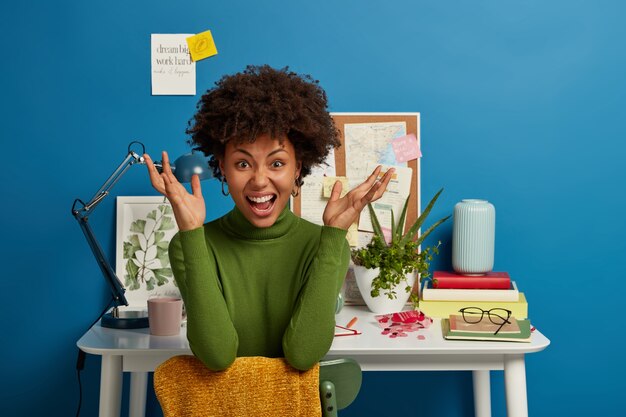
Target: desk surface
[[138, 352], [102, 341]]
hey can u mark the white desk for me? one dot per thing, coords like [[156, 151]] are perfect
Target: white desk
[[138, 352]]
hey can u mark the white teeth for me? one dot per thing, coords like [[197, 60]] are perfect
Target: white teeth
[[261, 199]]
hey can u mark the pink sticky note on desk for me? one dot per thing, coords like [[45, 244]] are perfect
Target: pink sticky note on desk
[[406, 148]]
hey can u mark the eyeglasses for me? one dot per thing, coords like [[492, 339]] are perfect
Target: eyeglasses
[[498, 316]]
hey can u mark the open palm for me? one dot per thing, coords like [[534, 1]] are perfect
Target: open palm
[[341, 212], [189, 208]]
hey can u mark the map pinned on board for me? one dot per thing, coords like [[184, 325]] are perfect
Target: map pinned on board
[[201, 46]]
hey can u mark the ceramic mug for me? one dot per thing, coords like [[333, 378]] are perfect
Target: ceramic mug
[[165, 315]]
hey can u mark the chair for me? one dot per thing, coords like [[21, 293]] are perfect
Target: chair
[[255, 386], [340, 382]]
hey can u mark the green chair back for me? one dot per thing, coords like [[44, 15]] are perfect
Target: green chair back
[[340, 382]]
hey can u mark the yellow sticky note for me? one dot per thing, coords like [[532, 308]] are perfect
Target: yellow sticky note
[[329, 182], [201, 46]]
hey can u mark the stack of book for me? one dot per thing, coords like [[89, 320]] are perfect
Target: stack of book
[[449, 292]]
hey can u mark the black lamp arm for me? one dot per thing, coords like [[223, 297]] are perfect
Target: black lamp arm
[[81, 212], [116, 286], [131, 158]]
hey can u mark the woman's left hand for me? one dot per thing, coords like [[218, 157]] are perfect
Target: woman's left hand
[[342, 212]]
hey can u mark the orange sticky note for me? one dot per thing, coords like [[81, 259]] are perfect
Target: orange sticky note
[[201, 46]]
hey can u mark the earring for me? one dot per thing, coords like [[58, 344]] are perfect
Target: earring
[[296, 191], [224, 192]]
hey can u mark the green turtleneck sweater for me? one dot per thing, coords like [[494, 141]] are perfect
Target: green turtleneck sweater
[[252, 291]]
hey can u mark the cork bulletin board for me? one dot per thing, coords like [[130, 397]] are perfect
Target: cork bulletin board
[[350, 159], [412, 121]]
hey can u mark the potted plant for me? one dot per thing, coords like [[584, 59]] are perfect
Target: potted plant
[[386, 268]]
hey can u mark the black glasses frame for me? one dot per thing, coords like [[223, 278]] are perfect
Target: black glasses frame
[[495, 315]]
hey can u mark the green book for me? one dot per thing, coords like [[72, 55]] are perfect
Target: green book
[[522, 336]]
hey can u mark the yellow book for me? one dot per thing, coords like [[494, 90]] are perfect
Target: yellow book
[[443, 309]]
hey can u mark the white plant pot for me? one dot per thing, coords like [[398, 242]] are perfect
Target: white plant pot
[[381, 304]]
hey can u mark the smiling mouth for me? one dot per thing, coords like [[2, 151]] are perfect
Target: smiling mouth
[[262, 205]]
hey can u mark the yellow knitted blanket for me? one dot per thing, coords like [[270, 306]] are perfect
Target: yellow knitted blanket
[[251, 386]]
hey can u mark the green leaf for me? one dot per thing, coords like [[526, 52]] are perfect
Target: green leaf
[[152, 215], [162, 256], [162, 275], [430, 229], [158, 236], [128, 250], [166, 209], [134, 240], [393, 227], [166, 223], [138, 226], [150, 284], [131, 246], [132, 269], [418, 223], [132, 283], [400, 227], [375, 223]]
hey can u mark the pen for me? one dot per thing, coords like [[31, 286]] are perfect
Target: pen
[[351, 322]]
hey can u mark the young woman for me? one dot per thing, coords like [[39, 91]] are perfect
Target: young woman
[[260, 281]]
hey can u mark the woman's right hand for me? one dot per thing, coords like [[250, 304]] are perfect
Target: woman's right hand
[[189, 209]]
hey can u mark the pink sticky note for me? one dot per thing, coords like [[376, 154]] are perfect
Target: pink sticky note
[[406, 148], [387, 234]]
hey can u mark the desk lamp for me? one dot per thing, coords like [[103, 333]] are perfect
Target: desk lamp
[[183, 168]]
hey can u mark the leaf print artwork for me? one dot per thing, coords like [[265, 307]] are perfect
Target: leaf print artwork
[[145, 251]]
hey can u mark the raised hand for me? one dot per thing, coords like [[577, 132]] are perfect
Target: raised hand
[[342, 212], [189, 209]]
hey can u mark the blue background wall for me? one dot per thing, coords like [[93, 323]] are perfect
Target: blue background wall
[[521, 104]]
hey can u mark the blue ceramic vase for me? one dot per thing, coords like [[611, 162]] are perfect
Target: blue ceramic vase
[[473, 237]]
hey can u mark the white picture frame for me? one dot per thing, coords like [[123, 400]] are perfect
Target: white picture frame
[[145, 227]]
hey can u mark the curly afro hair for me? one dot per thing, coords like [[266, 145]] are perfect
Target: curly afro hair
[[263, 100]]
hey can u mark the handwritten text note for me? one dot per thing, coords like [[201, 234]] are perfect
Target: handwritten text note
[[312, 201], [394, 198], [406, 148], [329, 183], [173, 71]]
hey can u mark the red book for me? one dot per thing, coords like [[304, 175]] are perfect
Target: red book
[[491, 280]]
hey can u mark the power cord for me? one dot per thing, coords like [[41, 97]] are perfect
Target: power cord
[[80, 360], [80, 364]]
